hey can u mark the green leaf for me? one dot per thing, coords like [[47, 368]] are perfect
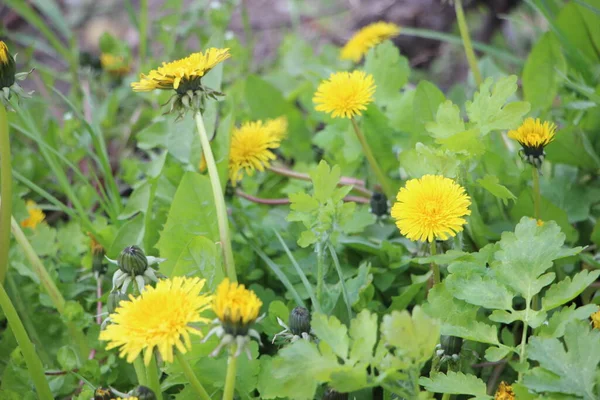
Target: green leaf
[[560, 319], [492, 185], [325, 181], [390, 71], [570, 370], [489, 111], [200, 257], [426, 160], [333, 332], [363, 331], [425, 104], [413, 337], [467, 142], [494, 354], [567, 289], [542, 73], [448, 121], [572, 146], [455, 383], [131, 233], [481, 291]]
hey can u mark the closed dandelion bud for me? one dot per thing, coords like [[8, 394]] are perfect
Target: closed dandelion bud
[[331, 394], [114, 298], [132, 260], [451, 344], [98, 252], [8, 67], [143, 393], [299, 321], [379, 204]]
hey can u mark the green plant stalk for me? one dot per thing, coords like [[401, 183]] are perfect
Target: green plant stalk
[[222, 220], [336, 262], [140, 371], [248, 35], [464, 34], [148, 216], [192, 378], [34, 365], [434, 267], [383, 181], [5, 193], [446, 396], [522, 354], [537, 195], [153, 379], [320, 272], [143, 29], [55, 295], [229, 390]]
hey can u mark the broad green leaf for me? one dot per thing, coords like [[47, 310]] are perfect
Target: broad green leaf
[[200, 257], [467, 142], [407, 294], [448, 121], [492, 185], [325, 181], [131, 233], [380, 136], [489, 111], [572, 146], [542, 73], [480, 291], [455, 383], [413, 337], [560, 319], [390, 71], [567, 289], [333, 332], [137, 201], [425, 103], [425, 160], [570, 370], [363, 331], [349, 379], [494, 354]]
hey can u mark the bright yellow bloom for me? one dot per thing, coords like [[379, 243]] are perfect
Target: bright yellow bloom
[[235, 305], [250, 150], [115, 65], [159, 318], [345, 94], [186, 72], [504, 392], [277, 127], [7, 67], [431, 208], [366, 38], [596, 319], [539, 222], [4, 53], [36, 215], [534, 134]]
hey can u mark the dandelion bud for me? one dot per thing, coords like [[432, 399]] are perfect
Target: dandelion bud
[[114, 298], [379, 204], [331, 394], [143, 393], [8, 67], [299, 321], [102, 394], [132, 260], [98, 252], [451, 344]]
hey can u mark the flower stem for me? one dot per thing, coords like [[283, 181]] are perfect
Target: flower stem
[[140, 371], [434, 267], [464, 34], [222, 220], [153, 378], [230, 379], [320, 272], [524, 338], [383, 181], [537, 196], [148, 216], [5, 193], [192, 378], [358, 185], [34, 365]]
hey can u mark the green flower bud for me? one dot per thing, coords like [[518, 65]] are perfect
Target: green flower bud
[[451, 344], [379, 204], [299, 321], [102, 394], [114, 298], [143, 393], [8, 69], [331, 394], [132, 261]]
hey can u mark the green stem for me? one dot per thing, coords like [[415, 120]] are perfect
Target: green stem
[[34, 365], [248, 35], [192, 378], [5, 193], [522, 354], [446, 396], [222, 220], [383, 181], [230, 379], [140, 371], [46, 280], [320, 272], [143, 29], [153, 378], [537, 196], [148, 216], [336, 262], [434, 267], [464, 34]]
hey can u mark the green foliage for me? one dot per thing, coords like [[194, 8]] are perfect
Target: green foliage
[[456, 383]]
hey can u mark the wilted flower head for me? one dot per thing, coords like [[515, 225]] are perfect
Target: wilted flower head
[[504, 392], [345, 94], [432, 207], [36, 215], [298, 325], [159, 319], [250, 149], [366, 38], [534, 135]]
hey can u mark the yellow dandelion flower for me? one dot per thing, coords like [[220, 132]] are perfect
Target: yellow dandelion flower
[[596, 319], [181, 75], [432, 207], [36, 215], [250, 150], [277, 127], [345, 94], [8, 68], [4, 53], [539, 222], [236, 307], [115, 65], [366, 38], [504, 392], [159, 318], [534, 135]]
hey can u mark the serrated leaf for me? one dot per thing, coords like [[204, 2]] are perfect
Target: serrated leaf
[[325, 181], [363, 331], [480, 291], [333, 332], [494, 354], [492, 185], [567, 289], [426, 101], [467, 142], [560, 319], [489, 111], [390, 71], [455, 383], [448, 121]]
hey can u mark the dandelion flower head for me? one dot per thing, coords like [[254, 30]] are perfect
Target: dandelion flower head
[[277, 127], [36, 215], [504, 392], [7, 67], [115, 65], [345, 94], [159, 318], [432, 207], [183, 74], [5, 56], [366, 38], [250, 149], [596, 319], [534, 135], [236, 307]]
